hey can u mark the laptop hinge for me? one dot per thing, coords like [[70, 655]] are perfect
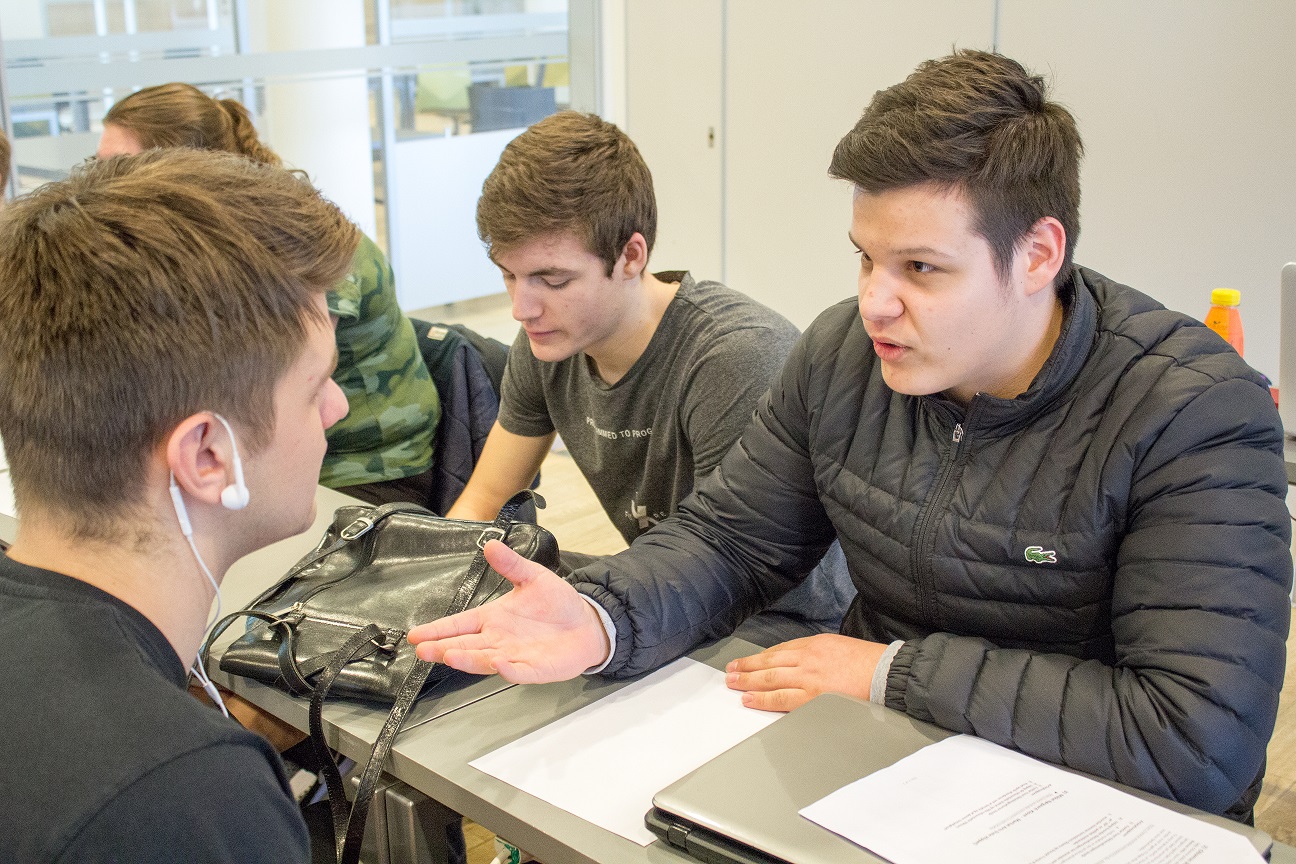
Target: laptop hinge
[[677, 836]]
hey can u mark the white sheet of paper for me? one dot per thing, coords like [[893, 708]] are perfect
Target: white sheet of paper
[[967, 800], [605, 762]]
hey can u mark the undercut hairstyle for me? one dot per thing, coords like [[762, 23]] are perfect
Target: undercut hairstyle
[[980, 123], [6, 157], [138, 292], [569, 172], [180, 115]]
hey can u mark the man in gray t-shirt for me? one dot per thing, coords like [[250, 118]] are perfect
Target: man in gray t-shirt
[[644, 440], [649, 378]]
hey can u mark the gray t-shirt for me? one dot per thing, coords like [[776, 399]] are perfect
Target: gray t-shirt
[[644, 441]]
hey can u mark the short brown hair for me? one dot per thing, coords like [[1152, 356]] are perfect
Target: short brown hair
[[6, 155], [981, 123], [569, 172], [138, 292], [180, 115]]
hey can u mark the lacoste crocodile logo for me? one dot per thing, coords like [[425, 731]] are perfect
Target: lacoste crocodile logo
[[1040, 555]]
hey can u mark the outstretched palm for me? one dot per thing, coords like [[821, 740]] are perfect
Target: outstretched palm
[[540, 631]]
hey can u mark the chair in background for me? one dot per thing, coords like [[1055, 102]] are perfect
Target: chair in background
[[444, 93]]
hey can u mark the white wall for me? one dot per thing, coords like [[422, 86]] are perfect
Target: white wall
[[1187, 108], [1188, 113], [673, 68], [320, 125], [611, 70], [439, 256], [23, 19], [798, 77], [780, 83]]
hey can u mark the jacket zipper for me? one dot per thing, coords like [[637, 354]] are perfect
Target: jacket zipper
[[920, 556]]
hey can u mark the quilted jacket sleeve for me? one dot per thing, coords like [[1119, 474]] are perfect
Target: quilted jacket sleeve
[[1200, 615], [747, 534]]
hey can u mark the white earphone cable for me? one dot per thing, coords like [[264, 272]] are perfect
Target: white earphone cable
[[233, 497], [199, 672]]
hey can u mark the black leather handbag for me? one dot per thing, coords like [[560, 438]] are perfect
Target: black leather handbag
[[337, 621]]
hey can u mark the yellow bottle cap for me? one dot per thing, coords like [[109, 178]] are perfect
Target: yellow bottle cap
[[1226, 297]]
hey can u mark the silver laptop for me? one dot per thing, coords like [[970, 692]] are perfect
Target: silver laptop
[[743, 806]]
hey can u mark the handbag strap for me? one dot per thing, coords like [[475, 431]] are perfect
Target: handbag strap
[[296, 674], [477, 569], [349, 824], [343, 819]]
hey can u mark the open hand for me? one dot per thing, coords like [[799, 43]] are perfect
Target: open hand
[[540, 631], [790, 674]]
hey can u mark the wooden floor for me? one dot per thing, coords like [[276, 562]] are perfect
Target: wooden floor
[[576, 519], [481, 843]]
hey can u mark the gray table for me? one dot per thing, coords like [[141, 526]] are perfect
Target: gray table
[[444, 734], [433, 757]]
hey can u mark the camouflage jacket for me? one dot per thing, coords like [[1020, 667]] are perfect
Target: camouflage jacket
[[393, 405]]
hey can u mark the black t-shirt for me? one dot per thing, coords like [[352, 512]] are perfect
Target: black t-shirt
[[104, 755]]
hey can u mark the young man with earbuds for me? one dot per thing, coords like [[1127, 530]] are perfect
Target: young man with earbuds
[[166, 352]]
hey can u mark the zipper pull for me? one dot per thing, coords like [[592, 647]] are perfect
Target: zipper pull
[[958, 433]]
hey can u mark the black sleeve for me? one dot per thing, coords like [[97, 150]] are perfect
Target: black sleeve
[[224, 804]]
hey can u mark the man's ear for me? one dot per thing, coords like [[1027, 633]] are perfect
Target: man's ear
[[634, 258], [195, 457], [1040, 254]]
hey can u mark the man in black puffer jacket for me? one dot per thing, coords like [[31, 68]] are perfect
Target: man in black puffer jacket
[[1062, 504]]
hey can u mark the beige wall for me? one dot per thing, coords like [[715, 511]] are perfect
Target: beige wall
[[1186, 107]]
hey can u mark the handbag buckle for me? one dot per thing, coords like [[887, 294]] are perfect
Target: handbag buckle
[[358, 528], [491, 532], [390, 641]]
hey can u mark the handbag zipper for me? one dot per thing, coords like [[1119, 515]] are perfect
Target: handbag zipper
[[302, 614]]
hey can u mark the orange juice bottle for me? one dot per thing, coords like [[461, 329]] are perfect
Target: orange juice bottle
[[1224, 317]]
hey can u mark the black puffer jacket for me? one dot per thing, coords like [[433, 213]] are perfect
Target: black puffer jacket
[[1095, 573]]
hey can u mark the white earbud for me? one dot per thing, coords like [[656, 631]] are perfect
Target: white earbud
[[236, 495]]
